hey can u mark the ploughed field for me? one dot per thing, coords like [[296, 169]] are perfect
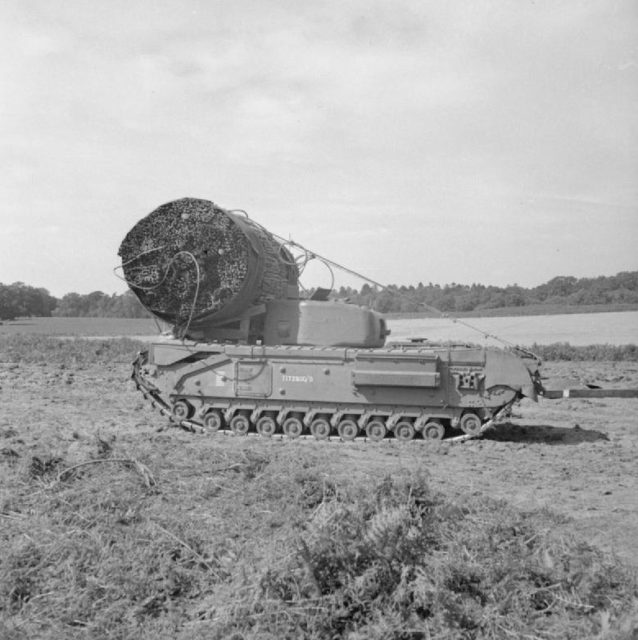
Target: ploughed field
[[113, 525]]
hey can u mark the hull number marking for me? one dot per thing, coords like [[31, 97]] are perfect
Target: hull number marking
[[306, 379]]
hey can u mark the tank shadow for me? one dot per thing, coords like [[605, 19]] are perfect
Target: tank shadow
[[548, 434]]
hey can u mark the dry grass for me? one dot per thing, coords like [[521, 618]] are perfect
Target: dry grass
[[274, 542], [116, 530], [35, 348], [85, 326]]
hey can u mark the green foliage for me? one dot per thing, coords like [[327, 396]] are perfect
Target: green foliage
[[396, 561], [19, 299], [262, 543], [562, 292], [621, 289], [100, 305]]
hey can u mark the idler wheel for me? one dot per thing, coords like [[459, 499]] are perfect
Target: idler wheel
[[213, 421], [348, 430], [433, 430], [293, 427], [240, 424], [404, 430], [320, 429], [471, 424], [266, 426], [182, 410], [375, 430]]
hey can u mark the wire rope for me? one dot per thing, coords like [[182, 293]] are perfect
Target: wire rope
[[331, 263], [289, 246]]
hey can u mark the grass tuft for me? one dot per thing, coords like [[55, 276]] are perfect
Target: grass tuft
[[398, 562], [263, 542]]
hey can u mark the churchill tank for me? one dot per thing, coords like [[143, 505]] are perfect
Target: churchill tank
[[247, 352]]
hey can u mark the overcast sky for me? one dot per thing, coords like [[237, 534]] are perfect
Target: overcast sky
[[412, 140]]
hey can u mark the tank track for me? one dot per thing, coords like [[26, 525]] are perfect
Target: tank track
[[161, 405]]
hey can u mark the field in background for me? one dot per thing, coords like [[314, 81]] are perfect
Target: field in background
[[112, 526], [527, 310], [100, 327], [615, 328]]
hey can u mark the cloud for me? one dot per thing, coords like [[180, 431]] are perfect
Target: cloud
[[431, 119]]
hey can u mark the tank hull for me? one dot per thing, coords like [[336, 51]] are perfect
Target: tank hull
[[423, 390]]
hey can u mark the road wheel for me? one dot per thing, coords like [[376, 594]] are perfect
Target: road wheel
[[293, 427], [471, 424], [375, 430], [182, 410], [404, 430], [320, 428], [213, 421], [348, 430], [433, 430], [240, 424], [266, 426]]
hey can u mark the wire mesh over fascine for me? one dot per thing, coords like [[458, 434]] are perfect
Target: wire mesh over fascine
[[190, 259]]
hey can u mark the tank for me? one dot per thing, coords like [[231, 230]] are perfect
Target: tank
[[401, 391], [248, 354]]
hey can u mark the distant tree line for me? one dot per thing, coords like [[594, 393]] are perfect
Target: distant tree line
[[100, 305], [19, 299], [562, 290]]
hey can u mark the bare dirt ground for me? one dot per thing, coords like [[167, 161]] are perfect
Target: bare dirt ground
[[576, 457]]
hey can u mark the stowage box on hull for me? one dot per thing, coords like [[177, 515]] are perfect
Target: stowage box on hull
[[401, 390]]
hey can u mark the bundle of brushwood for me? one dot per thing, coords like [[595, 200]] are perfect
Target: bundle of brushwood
[[191, 262]]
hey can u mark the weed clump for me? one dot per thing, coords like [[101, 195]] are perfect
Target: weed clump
[[43, 466], [278, 541], [395, 561]]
